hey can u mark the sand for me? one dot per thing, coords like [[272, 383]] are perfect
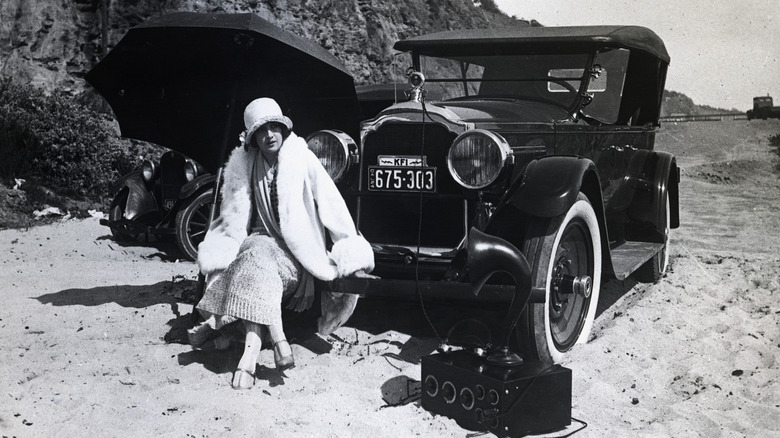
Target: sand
[[90, 332]]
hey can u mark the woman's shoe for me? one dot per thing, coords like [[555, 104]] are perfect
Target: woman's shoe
[[239, 379], [283, 362]]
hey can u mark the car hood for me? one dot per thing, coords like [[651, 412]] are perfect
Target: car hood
[[503, 111], [460, 116]]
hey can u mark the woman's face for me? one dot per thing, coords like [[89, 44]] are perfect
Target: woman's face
[[269, 137]]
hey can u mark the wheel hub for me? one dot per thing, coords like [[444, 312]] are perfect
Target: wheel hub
[[581, 285], [565, 285]]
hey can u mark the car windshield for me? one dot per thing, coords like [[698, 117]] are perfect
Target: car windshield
[[551, 78]]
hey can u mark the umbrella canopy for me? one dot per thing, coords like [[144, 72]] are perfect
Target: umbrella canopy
[[182, 81]]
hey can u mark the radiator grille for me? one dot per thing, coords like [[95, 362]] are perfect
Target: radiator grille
[[171, 178], [394, 218]]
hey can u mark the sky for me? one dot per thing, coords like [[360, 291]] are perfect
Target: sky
[[723, 52]]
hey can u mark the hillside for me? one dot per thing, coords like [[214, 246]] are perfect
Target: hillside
[[678, 103], [53, 44]]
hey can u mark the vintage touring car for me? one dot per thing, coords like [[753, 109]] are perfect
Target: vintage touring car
[[539, 138], [169, 197]]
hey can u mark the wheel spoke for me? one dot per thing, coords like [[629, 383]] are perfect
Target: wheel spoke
[[197, 234], [194, 224], [204, 216]]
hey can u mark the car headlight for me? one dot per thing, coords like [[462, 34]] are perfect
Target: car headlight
[[148, 170], [190, 170], [334, 150], [478, 157]]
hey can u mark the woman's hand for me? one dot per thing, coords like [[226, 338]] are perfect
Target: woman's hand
[[362, 274]]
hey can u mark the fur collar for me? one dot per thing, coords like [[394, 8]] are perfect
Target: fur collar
[[309, 204]]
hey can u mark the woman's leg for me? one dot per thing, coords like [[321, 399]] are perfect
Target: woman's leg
[[283, 356], [277, 333], [244, 377]]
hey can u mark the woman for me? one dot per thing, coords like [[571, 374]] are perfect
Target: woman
[[269, 240]]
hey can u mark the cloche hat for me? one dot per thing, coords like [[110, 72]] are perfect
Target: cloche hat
[[258, 113]]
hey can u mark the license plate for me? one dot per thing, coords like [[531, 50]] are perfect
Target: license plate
[[401, 179]]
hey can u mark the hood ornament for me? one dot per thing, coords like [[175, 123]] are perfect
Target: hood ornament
[[416, 80]]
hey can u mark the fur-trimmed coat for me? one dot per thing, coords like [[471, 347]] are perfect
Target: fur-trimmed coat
[[309, 204]]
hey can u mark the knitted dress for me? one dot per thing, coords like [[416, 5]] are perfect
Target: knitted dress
[[255, 283]]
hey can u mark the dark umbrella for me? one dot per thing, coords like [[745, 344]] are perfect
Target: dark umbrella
[[182, 81]]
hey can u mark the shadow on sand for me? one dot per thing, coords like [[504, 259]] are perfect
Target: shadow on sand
[[427, 326], [164, 292], [166, 246], [466, 323]]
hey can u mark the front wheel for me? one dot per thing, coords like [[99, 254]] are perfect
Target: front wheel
[[564, 254], [192, 222]]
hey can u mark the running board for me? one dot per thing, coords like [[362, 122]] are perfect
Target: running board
[[629, 256]]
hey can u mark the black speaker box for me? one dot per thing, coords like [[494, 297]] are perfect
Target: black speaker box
[[531, 398]]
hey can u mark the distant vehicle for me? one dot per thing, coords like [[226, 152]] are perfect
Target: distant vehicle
[[763, 109], [538, 141]]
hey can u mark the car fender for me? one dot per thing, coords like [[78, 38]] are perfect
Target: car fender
[[139, 199], [667, 179], [122, 182], [663, 177], [549, 185], [196, 185]]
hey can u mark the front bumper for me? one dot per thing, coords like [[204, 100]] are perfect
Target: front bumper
[[487, 255], [411, 289]]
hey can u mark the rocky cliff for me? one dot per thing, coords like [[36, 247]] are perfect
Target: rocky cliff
[[53, 43]]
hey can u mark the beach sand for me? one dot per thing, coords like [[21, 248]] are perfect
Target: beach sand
[[91, 330]]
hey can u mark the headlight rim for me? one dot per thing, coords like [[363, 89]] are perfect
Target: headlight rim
[[498, 140], [148, 170], [348, 147], [190, 170]]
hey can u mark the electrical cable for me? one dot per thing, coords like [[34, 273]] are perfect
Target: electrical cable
[[482, 344], [584, 425], [419, 234]]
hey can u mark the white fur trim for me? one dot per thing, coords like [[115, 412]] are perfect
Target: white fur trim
[[221, 244], [302, 230], [215, 255], [352, 254], [309, 206]]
